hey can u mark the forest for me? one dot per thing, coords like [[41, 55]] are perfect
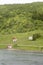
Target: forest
[[21, 18]]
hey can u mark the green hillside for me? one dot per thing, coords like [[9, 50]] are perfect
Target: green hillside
[[22, 21], [19, 18]]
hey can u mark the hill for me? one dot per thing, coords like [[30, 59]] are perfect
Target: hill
[[22, 21], [19, 18]]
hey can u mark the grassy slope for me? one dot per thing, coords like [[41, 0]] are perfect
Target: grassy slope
[[22, 41]]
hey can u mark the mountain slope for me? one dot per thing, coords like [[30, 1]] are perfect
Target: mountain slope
[[21, 17]]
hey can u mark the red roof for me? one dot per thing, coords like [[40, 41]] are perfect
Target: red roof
[[14, 37]]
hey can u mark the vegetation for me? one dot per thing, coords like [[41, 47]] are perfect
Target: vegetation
[[21, 18], [22, 41], [21, 21], [36, 36]]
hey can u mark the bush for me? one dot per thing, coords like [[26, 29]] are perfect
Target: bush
[[36, 36]]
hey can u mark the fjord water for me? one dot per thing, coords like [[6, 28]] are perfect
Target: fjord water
[[12, 57]]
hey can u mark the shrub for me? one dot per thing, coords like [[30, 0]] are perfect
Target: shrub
[[36, 36]]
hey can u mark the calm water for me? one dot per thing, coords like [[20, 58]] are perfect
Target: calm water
[[8, 57]]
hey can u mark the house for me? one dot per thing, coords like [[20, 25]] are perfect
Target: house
[[9, 46], [30, 38], [14, 39]]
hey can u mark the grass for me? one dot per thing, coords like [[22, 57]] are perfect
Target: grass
[[22, 41]]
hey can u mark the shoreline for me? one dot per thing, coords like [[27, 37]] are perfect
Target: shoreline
[[24, 50]]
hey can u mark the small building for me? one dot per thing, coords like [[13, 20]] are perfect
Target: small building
[[9, 46], [14, 39], [30, 38]]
